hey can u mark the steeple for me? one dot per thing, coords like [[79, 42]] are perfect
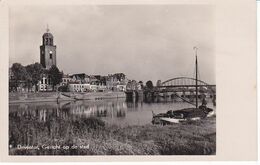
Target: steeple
[[47, 29], [47, 50], [47, 38]]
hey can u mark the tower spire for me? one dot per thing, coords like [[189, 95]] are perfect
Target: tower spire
[[47, 29]]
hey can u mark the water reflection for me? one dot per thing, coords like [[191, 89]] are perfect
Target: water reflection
[[98, 109], [111, 111], [71, 110]]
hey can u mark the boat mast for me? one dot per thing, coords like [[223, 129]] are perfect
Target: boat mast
[[196, 64]]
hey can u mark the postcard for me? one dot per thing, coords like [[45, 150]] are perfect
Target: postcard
[[121, 80]]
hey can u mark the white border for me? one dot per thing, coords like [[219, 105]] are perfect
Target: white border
[[233, 20]]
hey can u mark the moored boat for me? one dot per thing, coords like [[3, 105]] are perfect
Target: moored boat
[[182, 115], [186, 114]]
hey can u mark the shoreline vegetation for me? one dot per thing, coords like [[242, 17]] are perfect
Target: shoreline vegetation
[[92, 136]]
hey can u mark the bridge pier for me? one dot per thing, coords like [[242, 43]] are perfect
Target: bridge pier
[[192, 96], [148, 96], [131, 96], [165, 96], [156, 97], [140, 95]]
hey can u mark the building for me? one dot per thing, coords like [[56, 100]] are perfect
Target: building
[[116, 81], [66, 79], [121, 87], [79, 78], [79, 87], [47, 50], [47, 59], [94, 79], [45, 84]]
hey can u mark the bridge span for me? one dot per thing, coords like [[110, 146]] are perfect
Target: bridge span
[[179, 87]]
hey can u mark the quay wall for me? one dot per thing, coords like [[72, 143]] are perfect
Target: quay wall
[[63, 96]]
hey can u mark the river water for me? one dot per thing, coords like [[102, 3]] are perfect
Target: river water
[[51, 123], [112, 111]]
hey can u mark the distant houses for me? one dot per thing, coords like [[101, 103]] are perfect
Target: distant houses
[[79, 82], [94, 83]]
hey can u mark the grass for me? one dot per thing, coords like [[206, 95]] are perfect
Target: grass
[[190, 138]]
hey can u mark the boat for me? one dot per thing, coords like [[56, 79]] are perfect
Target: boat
[[182, 115], [185, 114]]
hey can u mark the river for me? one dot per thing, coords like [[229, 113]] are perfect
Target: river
[[111, 111]]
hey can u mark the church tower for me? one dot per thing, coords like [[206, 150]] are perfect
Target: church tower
[[47, 50]]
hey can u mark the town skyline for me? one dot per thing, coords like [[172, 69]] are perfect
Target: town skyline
[[105, 41]]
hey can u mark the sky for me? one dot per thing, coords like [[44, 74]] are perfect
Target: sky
[[146, 42]]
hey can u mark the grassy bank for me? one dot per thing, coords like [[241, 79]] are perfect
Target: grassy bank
[[190, 138]]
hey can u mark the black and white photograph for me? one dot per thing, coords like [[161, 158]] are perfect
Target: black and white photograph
[[112, 79]]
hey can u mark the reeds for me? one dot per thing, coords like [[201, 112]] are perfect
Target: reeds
[[91, 136]]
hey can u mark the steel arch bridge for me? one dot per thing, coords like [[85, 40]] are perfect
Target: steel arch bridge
[[184, 82]]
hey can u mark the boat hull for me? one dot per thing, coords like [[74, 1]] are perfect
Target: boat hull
[[182, 115]]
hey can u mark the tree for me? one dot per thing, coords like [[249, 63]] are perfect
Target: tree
[[149, 84], [35, 71], [19, 74], [159, 83], [142, 84], [55, 75]]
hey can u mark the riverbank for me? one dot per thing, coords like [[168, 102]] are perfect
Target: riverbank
[[91, 136], [62, 96]]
